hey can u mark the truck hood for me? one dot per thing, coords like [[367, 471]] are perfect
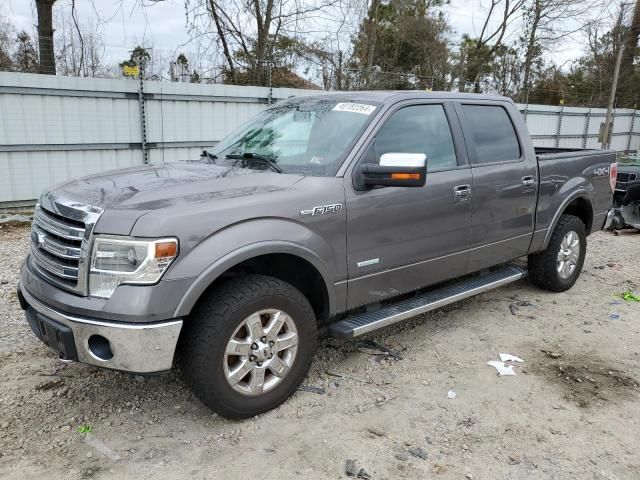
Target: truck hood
[[126, 195]]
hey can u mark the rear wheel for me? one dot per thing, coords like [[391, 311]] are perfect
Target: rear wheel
[[248, 346], [558, 267]]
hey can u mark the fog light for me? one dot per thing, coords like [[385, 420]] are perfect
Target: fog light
[[100, 347]]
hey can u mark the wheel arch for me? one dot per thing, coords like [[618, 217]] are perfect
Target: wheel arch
[[580, 205], [290, 262]]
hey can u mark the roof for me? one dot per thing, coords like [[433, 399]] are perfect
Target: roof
[[392, 96]]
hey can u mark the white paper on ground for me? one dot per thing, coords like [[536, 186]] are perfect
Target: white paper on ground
[[451, 394], [502, 369], [101, 447], [507, 357]]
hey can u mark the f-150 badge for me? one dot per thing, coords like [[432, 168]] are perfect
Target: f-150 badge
[[322, 209]]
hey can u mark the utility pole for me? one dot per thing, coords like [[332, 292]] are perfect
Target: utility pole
[[614, 87]]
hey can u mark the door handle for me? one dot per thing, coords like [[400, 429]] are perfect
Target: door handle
[[528, 181], [462, 193]]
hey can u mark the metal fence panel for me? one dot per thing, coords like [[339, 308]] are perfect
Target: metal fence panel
[[54, 128], [576, 127]]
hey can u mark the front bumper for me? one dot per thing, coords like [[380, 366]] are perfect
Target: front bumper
[[129, 347]]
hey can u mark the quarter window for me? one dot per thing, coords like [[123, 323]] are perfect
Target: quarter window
[[419, 129], [493, 133]]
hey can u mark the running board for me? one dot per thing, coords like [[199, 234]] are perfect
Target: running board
[[366, 322]]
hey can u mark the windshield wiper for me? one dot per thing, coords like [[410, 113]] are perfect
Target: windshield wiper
[[208, 156], [255, 156]]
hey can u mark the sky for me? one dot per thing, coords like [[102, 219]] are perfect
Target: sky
[[125, 24]]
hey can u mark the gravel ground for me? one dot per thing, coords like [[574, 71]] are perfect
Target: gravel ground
[[571, 412]]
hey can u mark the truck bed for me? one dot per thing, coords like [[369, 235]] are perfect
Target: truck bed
[[562, 170], [546, 153]]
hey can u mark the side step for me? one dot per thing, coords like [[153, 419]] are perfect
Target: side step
[[366, 322]]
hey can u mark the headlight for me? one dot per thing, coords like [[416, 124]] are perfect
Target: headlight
[[115, 261]]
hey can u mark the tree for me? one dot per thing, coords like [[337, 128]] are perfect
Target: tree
[[631, 41], [252, 33], [402, 44], [79, 49], [45, 36], [479, 52], [506, 68], [213, 11], [546, 22], [140, 56], [7, 36], [475, 60], [182, 68], [588, 81], [25, 58]]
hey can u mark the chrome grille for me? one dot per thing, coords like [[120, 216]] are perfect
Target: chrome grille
[[61, 234], [56, 247], [624, 177], [623, 180]]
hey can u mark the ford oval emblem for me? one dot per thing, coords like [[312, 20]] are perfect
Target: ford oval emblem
[[42, 239]]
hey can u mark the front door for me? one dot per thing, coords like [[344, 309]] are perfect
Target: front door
[[504, 184], [402, 238]]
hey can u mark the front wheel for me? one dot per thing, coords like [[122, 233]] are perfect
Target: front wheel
[[248, 346], [558, 267]]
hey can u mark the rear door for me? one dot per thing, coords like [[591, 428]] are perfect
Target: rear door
[[505, 178], [400, 238]]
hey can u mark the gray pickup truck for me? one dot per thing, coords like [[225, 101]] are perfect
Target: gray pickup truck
[[333, 214]]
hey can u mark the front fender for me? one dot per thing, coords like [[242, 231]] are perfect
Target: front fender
[[237, 243]]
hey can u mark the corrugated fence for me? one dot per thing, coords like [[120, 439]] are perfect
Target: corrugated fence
[[54, 128]]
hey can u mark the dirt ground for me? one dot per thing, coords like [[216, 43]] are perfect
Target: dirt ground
[[571, 412]]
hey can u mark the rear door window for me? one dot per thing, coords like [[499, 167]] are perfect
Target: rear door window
[[493, 133]]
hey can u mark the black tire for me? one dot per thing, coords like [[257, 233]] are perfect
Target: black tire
[[215, 319], [543, 270]]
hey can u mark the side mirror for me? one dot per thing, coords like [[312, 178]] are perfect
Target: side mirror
[[395, 170]]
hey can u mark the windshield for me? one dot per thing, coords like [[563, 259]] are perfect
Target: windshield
[[307, 137]]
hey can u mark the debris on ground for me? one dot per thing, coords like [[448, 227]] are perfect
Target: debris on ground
[[514, 307], [371, 347], [311, 389], [50, 385], [362, 473], [439, 468], [502, 368], [101, 447], [350, 468], [507, 357], [514, 459], [468, 421], [451, 394], [629, 297], [552, 354], [348, 377], [377, 432], [418, 452]]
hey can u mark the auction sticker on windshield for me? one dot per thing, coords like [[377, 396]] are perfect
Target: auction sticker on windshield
[[354, 108]]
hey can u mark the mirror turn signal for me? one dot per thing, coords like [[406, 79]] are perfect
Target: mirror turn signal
[[395, 170]]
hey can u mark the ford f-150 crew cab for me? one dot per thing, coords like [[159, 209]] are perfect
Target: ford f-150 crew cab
[[331, 214]]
